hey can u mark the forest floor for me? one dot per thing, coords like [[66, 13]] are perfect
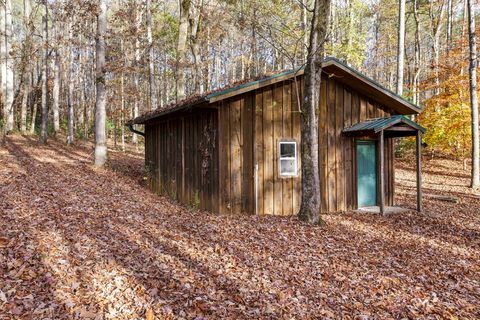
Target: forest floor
[[78, 242]]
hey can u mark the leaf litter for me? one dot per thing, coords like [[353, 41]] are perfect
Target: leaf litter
[[82, 243]]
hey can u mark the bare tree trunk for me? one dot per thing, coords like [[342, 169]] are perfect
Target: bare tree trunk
[[416, 75], [472, 41], [181, 52], [401, 46], [437, 28], [195, 23], [122, 105], [35, 100], [151, 67], [3, 65], [101, 101], [136, 76], [56, 92], [310, 207], [9, 94], [71, 111], [44, 124], [27, 9], [449, 24], [305, 32]]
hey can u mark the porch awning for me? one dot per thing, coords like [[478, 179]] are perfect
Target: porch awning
[[394, 126], [391, 127]]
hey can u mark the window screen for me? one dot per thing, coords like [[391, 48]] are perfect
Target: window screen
[[288, 158]]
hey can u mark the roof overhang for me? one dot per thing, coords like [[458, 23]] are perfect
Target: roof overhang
[[368, 87]]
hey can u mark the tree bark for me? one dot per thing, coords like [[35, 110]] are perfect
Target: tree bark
[[181, 49], [472, 41], [3, 66], [9, 94], [417, 55], [401, 46], [44, 124], [449, 24], [151, 67], [136, 75], [26, 64], [71, 111], [310, 207], [195, 24], [101, 101], [437, 23], [56, 92]]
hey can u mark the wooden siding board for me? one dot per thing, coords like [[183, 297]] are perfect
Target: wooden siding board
[[323, 147], [269, 149], [235, 155], [363, 109], [215, 164], [347, 121], [277, 135], [247, 154], [331, 110], [259, 152], [339, 148], [225, 157]]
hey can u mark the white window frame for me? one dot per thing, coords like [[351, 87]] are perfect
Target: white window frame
[[280, 158]]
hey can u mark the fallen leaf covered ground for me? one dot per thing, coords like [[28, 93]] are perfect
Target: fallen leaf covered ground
[[82, 243]]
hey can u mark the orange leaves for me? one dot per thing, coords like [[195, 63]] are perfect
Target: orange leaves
[[79, 243], [149, 315]]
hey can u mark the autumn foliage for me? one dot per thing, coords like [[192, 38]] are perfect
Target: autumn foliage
[[78, 242]]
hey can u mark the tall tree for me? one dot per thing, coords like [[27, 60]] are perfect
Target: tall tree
[[401, 46], [181, 48], [8, 103], [44, 124], [56, 88], [436, 21], [26, 63], [152, 101], [136, 62], [71, 111], [472, 41], [100, 79], [195, 25], [3, 65], [310, 207]]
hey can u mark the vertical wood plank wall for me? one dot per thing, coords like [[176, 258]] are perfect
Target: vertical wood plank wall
[[181, 158], [207, 158], [250, 128]]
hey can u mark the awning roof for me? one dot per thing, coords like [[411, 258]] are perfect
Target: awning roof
[[398, 123]]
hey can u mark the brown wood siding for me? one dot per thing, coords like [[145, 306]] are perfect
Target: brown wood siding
[[270, 114], [181, 158], [266, 116], [345, 107], [225, 158]]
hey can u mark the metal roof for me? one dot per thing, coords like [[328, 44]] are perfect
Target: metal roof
[[332, 66], [379, 124]]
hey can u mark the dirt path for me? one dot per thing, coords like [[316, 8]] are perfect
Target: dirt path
[[76, 242]]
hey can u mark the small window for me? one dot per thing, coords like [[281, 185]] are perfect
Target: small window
[[288, 158]]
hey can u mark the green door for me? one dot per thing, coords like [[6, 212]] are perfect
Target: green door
[[366, 173]]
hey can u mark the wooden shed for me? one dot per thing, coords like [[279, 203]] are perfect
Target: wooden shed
[[237, 150]]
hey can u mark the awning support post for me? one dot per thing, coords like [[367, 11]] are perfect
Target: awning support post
[[419, 171], [382, 172]]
